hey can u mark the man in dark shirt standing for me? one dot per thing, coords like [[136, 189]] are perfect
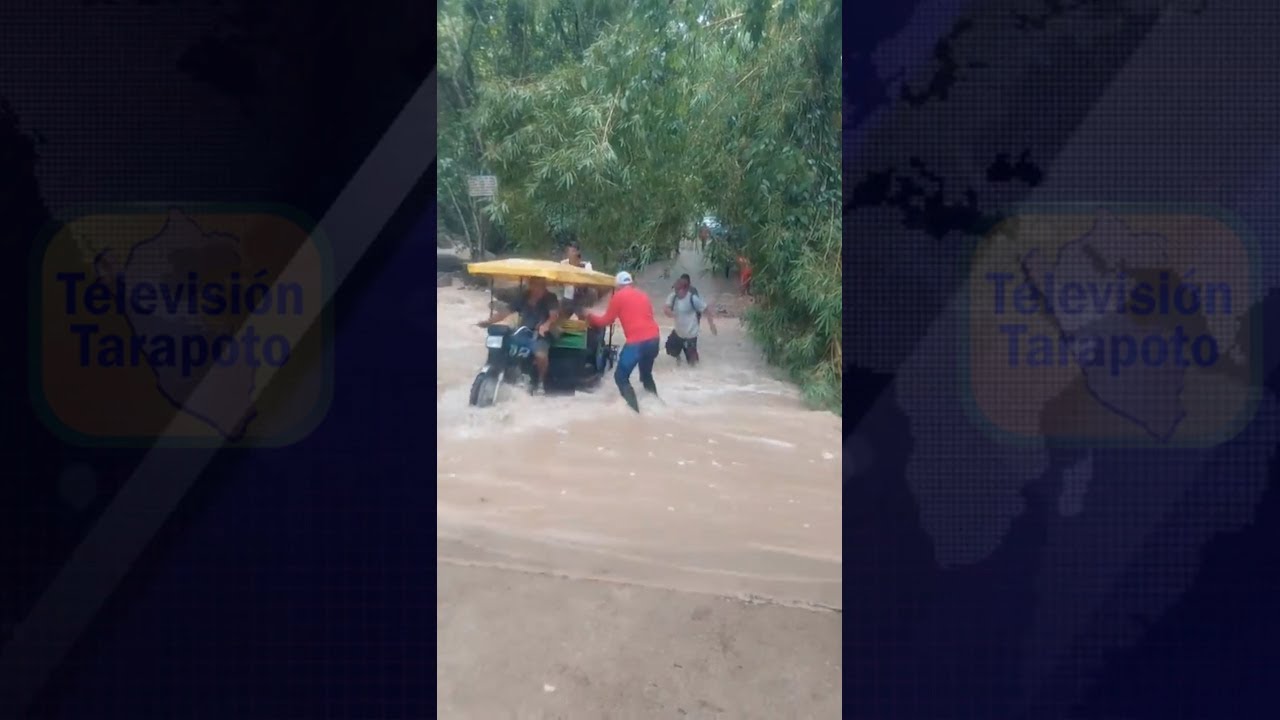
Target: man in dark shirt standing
[[539, 310], [575, 298]]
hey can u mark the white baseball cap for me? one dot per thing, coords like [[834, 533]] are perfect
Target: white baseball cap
[[623, 278]]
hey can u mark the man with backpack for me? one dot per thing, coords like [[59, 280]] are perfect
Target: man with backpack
[[686, 306]]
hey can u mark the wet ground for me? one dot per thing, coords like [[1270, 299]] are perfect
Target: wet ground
[[517, 645], [728, 488]]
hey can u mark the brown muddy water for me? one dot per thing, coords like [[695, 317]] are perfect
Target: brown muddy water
[[729, 486]]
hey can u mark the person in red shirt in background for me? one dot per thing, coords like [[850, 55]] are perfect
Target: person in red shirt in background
[[744, 275], [634, 310]]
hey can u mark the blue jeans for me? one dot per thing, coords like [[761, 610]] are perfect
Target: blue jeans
[[643, 354], [535, 345]]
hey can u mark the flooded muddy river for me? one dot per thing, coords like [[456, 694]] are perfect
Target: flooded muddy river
[[729, 485]]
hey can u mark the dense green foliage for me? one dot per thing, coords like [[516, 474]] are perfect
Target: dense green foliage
[[622, 123]]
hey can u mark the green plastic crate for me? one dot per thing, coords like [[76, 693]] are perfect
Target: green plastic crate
[[571, 340]]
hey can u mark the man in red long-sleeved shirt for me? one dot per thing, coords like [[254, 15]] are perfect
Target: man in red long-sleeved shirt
[[630, 306]]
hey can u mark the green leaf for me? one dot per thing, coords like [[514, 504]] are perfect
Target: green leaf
[[633, 121]]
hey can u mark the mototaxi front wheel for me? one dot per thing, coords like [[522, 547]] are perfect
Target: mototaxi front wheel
[[484, 390]]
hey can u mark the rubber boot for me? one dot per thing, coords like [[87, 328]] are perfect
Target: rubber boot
[[651, 388], [629, 394]]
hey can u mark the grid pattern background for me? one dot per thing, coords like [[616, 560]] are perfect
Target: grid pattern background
[[293, 583], [992, 580]]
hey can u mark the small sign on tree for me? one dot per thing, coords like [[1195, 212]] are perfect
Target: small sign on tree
[[482, 185]]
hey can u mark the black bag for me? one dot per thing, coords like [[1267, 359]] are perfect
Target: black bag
[[675, 345]]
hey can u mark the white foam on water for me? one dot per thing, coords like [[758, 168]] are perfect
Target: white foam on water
[[783, 444], [732, 398], [733, 381]]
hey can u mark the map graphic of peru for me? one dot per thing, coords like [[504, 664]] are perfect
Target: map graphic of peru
[[166, 258], [1150, 397]]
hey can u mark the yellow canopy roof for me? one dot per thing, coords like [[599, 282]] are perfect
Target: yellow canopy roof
[[553, 272]]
